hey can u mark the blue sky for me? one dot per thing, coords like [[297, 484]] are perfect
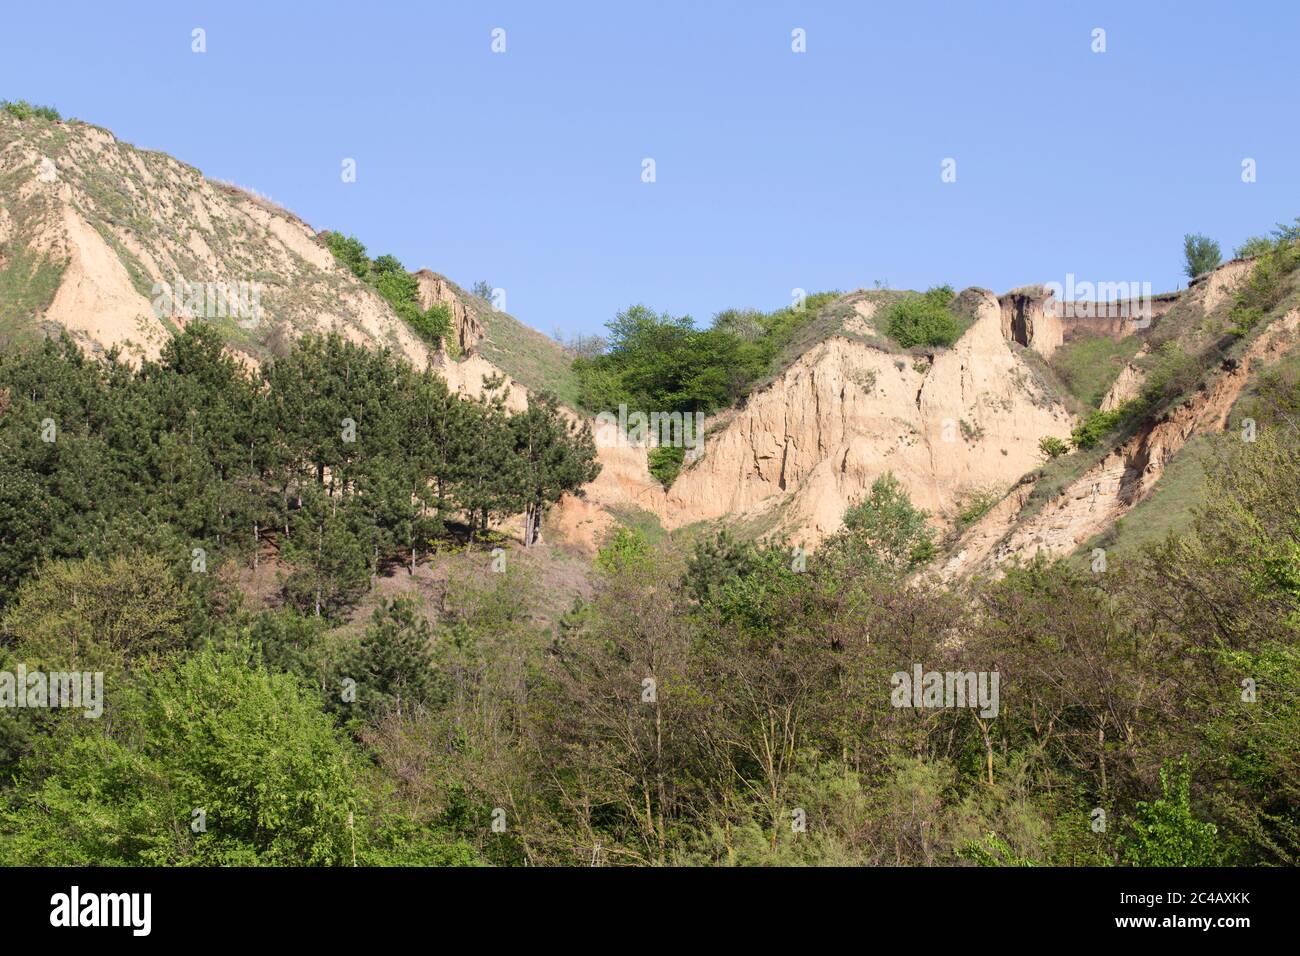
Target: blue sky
[[774, 170]]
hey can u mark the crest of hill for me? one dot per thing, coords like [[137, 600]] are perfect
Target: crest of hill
[[91, 226]]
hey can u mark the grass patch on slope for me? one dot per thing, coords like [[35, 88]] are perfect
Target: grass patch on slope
[[28, 283], [1168, 509], [1089, 365], [534, 360]]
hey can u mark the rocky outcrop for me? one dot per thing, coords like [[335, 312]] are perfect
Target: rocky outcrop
[[466, 330], [1035, 318], [118, 224], [1029, 318], [1218, 286], [804, 448], [1115, 485]]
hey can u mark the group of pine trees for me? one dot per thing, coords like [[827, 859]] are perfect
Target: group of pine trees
[[343, 459]]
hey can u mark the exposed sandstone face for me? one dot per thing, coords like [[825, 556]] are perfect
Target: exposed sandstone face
[[1127, 385], [1115, 485], [1028, 318], [117, 220], [121, 221], [1219, 285], [1034, 318], [465, 378], [466, 330], [803, 449]]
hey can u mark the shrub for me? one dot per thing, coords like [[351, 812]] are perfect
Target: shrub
[[976, 504], [1053, 447], [1166, 833], [395, 285], [349, 251], [1097, 425], [1254, 246], [433, 325], [625, 550], [1268, 282], [924, 319], [22, 110], [1201, 254], [277, 780], [665, 461], [885, 530]]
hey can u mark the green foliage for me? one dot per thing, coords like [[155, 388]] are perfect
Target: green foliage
[[992, 850], [552, 455], [434, 324], [658, 362], [99, 614], [348, 461], [350, 251], [216, 733], [1269, 280], [22, 110], [686, 710], [715, 561], [1164, 832], [975, 504], [1200, 255], [393, 663], [885, 530], [625, 551], [1089, 364], [1052, 447], [399, 288], [1098, 425], [924, 320], [664, 462], [1254, 246]]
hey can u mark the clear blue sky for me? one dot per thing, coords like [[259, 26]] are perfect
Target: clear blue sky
[[775, 170]]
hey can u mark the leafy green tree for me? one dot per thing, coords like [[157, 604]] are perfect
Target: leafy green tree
[[1164, 832], [1200, 255], [885, 530], [350, 251], [271, 778], [99, 614]]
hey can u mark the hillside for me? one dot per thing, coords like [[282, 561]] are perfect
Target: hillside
[[1182, 382], [121, 247], [92, 230]]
